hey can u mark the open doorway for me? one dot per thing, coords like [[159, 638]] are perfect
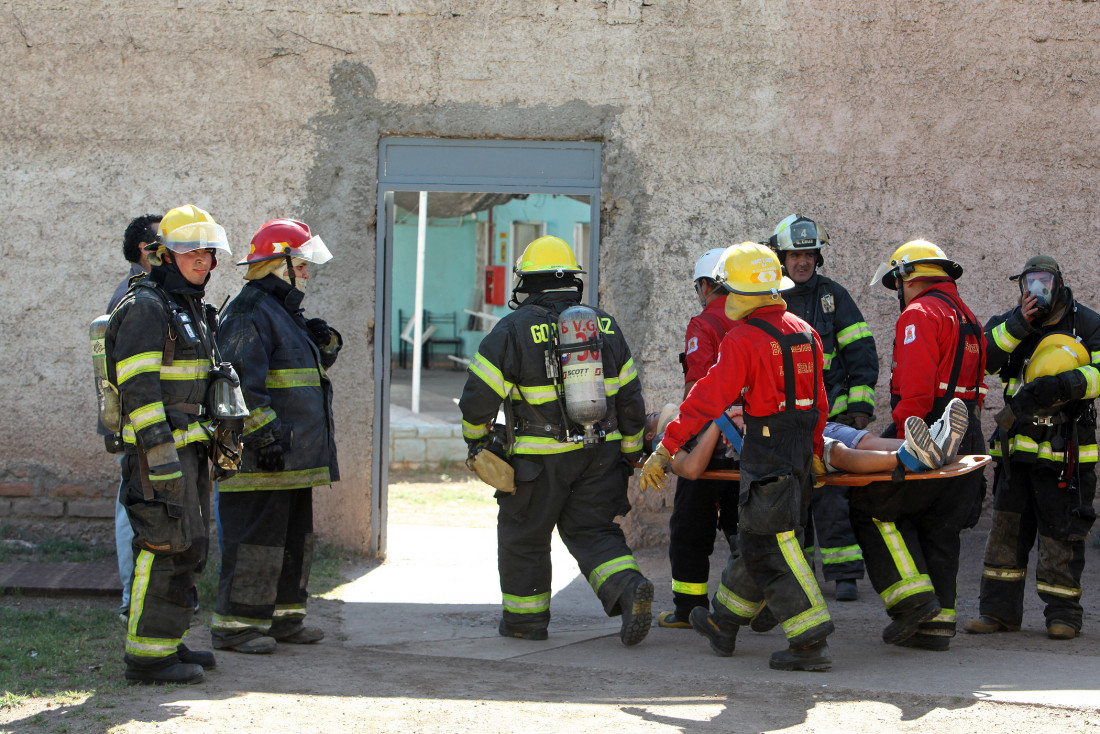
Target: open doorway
[[453, 217]]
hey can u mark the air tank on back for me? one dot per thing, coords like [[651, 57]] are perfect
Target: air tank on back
[[106, 396], [579, 344]]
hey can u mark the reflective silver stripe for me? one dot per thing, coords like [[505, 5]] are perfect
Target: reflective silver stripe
[[1065, 592], [1004, 574], [736, 604]]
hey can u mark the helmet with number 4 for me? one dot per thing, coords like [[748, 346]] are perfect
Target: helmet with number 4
[[797, 233]]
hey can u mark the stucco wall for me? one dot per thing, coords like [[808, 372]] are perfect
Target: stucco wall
[[969, 123]]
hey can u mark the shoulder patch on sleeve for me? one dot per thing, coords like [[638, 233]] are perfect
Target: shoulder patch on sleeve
[[910, 333], [692, 345]]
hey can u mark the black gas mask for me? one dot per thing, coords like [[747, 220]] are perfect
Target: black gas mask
[[1045, 285]]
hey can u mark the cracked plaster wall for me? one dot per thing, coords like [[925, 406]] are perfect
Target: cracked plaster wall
[[968, 123]]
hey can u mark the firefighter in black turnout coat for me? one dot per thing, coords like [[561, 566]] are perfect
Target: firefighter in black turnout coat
[[561, 478], [160, 343]]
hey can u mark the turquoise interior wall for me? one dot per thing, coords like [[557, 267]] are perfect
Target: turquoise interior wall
[[450, 256]]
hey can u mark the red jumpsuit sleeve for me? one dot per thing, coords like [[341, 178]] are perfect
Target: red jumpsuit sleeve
[[700, 349], [708, 397], [917, 354]]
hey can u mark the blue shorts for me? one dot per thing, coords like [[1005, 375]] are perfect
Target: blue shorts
[[847, 435]]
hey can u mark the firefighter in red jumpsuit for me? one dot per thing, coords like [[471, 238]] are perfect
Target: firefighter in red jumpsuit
[[700, 506], [909, 531], [773, 360]]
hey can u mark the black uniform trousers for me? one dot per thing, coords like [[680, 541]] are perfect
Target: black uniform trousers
[[831, 527], [776, 485], [580, 492], [1030, 505], [909, 533], [699, 508], [267, 553], [163, 596]]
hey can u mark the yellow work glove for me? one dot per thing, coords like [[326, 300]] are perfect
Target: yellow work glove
[[653, 470], [819, 471]]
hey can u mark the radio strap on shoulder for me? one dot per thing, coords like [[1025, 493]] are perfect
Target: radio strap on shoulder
[[143, 466]]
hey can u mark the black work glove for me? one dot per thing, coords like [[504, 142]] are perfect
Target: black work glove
[[319, 331], [1024, 402], [270, 457], [859, 421], [1047, 390]]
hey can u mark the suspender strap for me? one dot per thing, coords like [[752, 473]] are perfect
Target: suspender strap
[[966, 328], [786, 342]]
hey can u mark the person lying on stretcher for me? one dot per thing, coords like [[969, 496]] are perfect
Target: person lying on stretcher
[[846, 449]]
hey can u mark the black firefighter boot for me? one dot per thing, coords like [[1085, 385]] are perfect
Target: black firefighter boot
[[636, 603], [723, 638], [168, 671], [815, 657]]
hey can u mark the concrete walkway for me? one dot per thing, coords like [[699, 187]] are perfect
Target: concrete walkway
[[438, 595]]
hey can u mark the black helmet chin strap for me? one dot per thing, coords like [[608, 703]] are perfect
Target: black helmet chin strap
[[290, 271]]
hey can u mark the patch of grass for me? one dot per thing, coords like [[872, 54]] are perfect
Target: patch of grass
[[51, 550], [445, 490], [328, 559], [59, 654]]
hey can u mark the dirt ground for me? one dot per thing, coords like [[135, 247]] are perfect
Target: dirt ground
[[668, 683]]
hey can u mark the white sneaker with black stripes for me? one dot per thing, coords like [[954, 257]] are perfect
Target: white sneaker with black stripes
[[948, 431], [919, 452]]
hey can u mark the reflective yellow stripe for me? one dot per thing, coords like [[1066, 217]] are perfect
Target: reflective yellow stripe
[[604, 571], [946, 616], [290, 610], [1004, 574], [737, 605], [541, 445], [1086, 454], [305, 377], [1092, 381], [136, 365], [895, 543], [912, 582], [144, 647], [538, 394], [631, 444], [249, 481], [258, 418], [147, 415], [827, 361], [490, 375], [473, 432], [187, 369], [858, 330], [235, 624], [812, 617], [526, 604], [840, 406], [1066, 592], [196, 432], [841, 555], [627, 373], [1003, 339], [861, 394], [796, 561], [687, 587]]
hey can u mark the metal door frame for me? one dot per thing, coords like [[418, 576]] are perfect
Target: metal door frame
[[488, 166]]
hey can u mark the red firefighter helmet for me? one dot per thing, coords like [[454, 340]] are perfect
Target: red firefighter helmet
[[286, 238]]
